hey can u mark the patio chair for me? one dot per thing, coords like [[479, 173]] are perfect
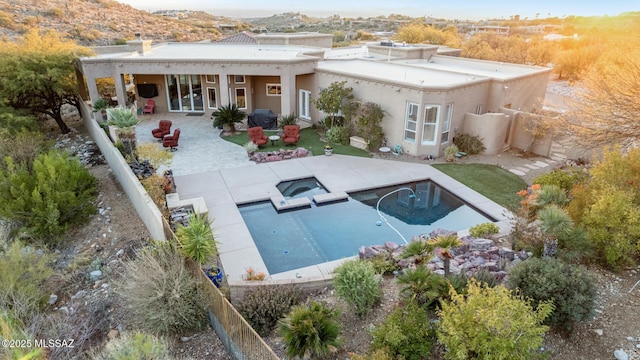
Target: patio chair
[[164, 128], [149, 108], [256, 134], [171, 141], [291, 134]]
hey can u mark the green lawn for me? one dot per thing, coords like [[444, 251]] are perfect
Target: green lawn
[[491, 181], [309, 139]]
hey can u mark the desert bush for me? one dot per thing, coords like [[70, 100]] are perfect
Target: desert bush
[[310, 331], [471, 144], [566, 179], [338, 135], [355, 281], [379, 354], [161, 292], [263, 306], [250, 147], [450, 152], [369, 125], [196, 240], [571, 290], [11, 330], [550, 194], [485, 278], [154, 185], [135, 346], [23, 146], [22, 271], [484, 229], [56, 193], [384, 263], [251, 274], [14, 121], [473, 326], [290, 119], [155, 155], [406, 333]]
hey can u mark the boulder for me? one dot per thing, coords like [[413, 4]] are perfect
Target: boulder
[[481, 244]]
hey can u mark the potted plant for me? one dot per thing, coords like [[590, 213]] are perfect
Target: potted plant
[[328, 150], [227, 116], [450, 153], [101, 105]]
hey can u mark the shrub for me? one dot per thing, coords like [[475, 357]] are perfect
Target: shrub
[[196, 240], [423, 286], [290, 119], [473, 326], [338, 135], [379, 354], [571, 290], [450, 152], [135, 346], [566, 179], [161, 292], [122, 117], [23, 146], [155, 185], [486, 278], [155, 155], [252, 275], [550, 194], [310, 331], [384, 263], [484, 229], [369, 125], [250, 147], [10, 330], [263, 306], [406, 333], [471, 144], [22, 270], [355, 281]]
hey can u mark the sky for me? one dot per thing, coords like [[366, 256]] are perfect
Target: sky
[[448, 9]]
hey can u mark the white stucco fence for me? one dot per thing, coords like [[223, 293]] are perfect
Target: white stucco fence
[[145, 207]]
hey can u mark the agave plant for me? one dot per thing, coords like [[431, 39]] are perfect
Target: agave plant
[[122, 117]]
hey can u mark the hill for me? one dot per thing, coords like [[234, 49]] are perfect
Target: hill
[[104, 22]]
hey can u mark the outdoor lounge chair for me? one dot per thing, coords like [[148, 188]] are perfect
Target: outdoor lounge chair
[[257, 135], [171, 141], [149, 108], [164, 128], [291, 134]]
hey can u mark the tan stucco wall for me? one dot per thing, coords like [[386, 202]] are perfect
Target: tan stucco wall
[[259, 90], [161, 99], [492, 128], [521, 139]]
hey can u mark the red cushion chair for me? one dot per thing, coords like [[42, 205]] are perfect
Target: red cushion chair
[[164, 128], [291, 134], [257, 135], [149, 108], [171, 141]]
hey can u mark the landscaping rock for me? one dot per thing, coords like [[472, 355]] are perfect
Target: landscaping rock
[[620, 355], [95, 275], [282, 154], [52, 299], [481, 244]]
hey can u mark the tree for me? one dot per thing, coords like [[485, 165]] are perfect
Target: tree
[[607, 109], [491, 323], [418, 33], [335, 101], [37, 73]]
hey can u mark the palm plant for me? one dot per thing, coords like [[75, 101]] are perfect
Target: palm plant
[[422, 285], [197, 240], [446, 243], [420, 250], [228, 116], [550, 194], [554, 222], [310, 331]]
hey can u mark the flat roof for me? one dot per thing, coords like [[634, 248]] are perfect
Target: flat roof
[[394, 72], [216, 51]]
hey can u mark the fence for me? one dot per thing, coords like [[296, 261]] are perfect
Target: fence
[[238, 337]]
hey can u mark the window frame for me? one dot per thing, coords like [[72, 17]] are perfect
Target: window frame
[[211, 79], [235, 98], [236, 81], [277, 88], [446, 124], [411, 109], [304, 104], [215, 97], [426, 123]]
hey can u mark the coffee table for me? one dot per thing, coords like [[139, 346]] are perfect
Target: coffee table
[[274, 138]]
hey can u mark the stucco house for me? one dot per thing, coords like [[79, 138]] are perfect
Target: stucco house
[[428, 95]]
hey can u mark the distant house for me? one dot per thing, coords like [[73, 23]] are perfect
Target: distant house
[[428, 97]]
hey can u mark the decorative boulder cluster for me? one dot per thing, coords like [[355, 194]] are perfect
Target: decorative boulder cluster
[[282, 154], [473, 255]]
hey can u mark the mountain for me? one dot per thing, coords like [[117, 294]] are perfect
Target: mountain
[[106, 22]]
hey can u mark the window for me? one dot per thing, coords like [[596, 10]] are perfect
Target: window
[[213, 99], [446, 125], [274, 90], [430, 124], [210, 79], [479, 110], [411, 122], [238, 79], [241, 99], [184, 92], [303, 109]]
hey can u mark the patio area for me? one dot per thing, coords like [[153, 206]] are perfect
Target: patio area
[[220, 172]]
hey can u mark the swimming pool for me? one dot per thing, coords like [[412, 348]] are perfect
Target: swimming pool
[[320, 233]]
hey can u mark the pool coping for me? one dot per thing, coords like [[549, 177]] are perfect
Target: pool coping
[[224, 189]]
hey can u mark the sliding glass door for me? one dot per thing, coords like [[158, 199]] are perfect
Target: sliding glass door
[[185, 93]]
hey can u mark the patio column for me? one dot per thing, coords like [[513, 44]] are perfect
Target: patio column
[[224, 89], [288, 93], [121, 91], [93, 89]]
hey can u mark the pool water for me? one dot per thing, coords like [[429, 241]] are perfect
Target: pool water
[[317, 234]]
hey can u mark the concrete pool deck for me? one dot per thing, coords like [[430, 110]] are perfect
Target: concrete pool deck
[[225, 188]]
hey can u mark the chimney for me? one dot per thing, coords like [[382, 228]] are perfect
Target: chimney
[[139, 45]]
